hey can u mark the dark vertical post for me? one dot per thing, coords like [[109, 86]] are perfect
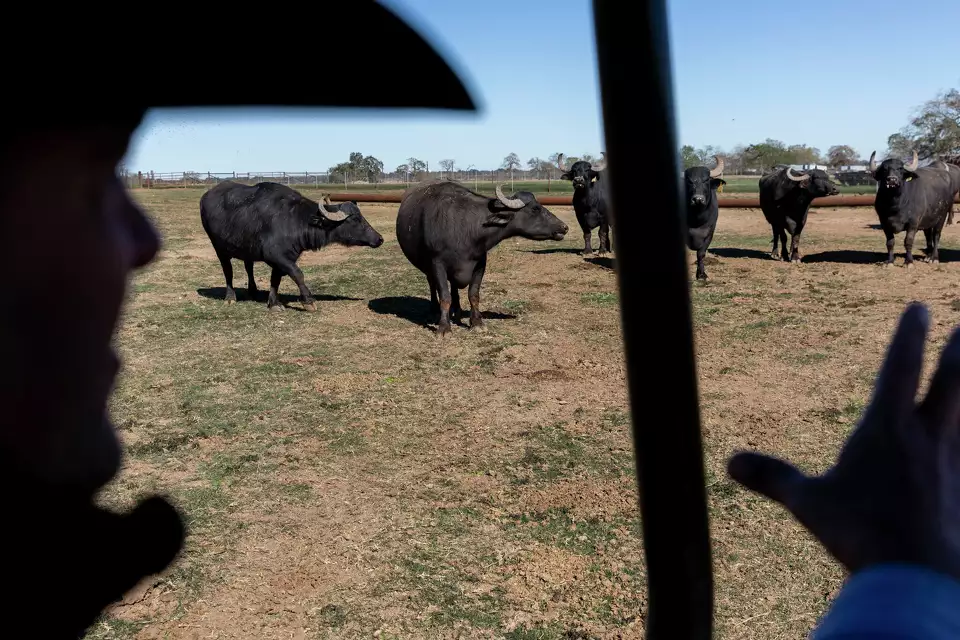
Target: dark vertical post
[[655, 306]]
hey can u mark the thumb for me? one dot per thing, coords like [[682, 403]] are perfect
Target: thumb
[[772, 477]]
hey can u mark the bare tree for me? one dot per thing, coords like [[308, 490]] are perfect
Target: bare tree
[[448, 165], [840, 155]]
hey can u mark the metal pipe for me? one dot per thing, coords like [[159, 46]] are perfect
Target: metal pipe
[[643, 199], [656, 318]]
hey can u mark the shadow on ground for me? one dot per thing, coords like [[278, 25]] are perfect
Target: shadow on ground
[[421, 312], [217, 293], [735, 252], [555, 250]]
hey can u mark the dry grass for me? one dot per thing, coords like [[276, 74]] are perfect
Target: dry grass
[[345, 472]]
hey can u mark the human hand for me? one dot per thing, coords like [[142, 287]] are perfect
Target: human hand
[[66, 560], [893, 495]]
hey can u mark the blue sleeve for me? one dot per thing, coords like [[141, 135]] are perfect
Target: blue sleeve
[[894, 602]]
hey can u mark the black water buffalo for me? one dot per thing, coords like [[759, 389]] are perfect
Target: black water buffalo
[[591, 202], [954, 170], [703, 209], [272, 223], [785, 199], [911, 198], [445, 230]]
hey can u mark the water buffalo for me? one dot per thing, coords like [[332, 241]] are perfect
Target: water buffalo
[[911, 198], [953, 169], [591, 203], [272, 223], [703, 209], [446, 230], [785, 199]]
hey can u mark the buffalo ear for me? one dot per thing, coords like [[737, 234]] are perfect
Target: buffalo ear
[[909, 175], [499, 217], [323, 222], [593, 175], [716, 183], [565, 176]]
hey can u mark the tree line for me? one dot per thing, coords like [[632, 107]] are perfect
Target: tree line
[[933, 131]]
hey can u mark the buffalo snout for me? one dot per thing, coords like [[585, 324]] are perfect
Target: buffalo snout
[[377, 241], [698, 200]]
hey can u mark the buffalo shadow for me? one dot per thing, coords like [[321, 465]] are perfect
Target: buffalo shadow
[[602, 261], [420, 311], [243, 295], [736, 252], [553, 250], [854, 256]]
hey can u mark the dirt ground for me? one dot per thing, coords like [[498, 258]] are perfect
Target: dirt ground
[[347, 474]]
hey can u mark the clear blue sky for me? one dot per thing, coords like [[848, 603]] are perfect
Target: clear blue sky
[[819, 72]]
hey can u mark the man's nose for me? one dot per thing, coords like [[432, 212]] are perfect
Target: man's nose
[[140, 238]]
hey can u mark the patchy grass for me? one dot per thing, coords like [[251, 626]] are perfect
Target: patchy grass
[[347, 472]]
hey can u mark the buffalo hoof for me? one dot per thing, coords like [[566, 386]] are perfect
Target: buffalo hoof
[[310, 306], [887, 265], [444, 330], [477, 325], [276, 307], [908, 265], [796, 261], [702, 276], [231, 300], [934, 261]]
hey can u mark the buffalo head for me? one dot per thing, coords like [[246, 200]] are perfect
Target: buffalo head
[[892, 172], [581, 173], [346, 224], [524, 216], [816, 181], [700, 181]]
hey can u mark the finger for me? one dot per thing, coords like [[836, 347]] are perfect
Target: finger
[[895, 393], [776, 479], [941, 408]]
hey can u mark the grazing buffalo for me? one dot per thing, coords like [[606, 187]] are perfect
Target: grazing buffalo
[[703, 209], [911, 198], [272, 223], [591, 202], [785, 199], [445, 230], [954, 170]]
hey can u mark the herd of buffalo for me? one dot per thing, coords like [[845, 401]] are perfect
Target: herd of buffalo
[[446, 230]]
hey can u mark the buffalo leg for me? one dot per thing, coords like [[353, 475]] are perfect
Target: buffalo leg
[[473, 293], [784, 252], [795, 247], [443, 291], [908, 246], [933, 255], [227, 266], [776, 238], [604, 234], [890, 242], [273, 301], [587, 233], [701, 271], [251, 283], [455, 309], [290, 268]]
